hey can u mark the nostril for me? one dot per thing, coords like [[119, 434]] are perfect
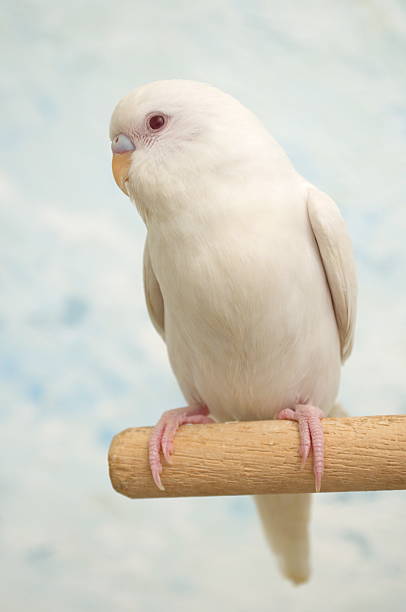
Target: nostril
[[122, 144]]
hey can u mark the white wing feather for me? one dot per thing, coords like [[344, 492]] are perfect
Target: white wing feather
[[336, 254], [153, 295]]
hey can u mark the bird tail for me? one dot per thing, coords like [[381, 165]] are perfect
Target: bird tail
[[285, 519]]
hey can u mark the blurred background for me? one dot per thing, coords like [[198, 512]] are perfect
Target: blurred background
[[79, 359]]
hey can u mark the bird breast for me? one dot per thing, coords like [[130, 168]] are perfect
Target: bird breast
[[249, 323]]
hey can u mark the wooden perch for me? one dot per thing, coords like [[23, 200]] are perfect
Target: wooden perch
[[361, 454]]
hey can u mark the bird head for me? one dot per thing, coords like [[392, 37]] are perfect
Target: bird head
[[169, 137]]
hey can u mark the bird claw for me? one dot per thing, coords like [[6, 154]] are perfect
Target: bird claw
[[311, 436], [163, 435]]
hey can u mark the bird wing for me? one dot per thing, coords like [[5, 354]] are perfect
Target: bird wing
[[153, 295], [336, 255]]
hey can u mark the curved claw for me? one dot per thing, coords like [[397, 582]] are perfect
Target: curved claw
[[311, 436], [163, 435], [153, 452]]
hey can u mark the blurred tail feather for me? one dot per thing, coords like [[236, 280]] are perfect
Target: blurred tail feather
[[285, 519]]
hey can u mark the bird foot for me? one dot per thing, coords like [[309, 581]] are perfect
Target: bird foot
[[164, 432], [311, 435]]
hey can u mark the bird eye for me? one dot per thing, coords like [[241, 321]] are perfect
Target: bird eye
[[156, 122], [121, 144]]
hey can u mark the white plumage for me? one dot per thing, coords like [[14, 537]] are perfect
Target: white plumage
[[248, 269]]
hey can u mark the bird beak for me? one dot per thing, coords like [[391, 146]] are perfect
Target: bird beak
[[121, 165]]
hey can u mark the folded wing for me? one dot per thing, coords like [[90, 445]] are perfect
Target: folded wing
[[337, 257], [153, 295]]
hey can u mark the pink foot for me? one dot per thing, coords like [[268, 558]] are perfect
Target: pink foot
[[311, 435], [163, 435]]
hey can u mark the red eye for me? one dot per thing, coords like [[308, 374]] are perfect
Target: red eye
[[156, 122]]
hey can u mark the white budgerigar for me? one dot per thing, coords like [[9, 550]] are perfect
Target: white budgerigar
[[249, 277]]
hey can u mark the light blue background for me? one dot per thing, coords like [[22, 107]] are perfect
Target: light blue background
[[79, 359]]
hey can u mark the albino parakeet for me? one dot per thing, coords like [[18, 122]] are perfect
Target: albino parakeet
[[249, 277]]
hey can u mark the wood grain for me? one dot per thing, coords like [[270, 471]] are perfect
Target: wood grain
[[240, 458]]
